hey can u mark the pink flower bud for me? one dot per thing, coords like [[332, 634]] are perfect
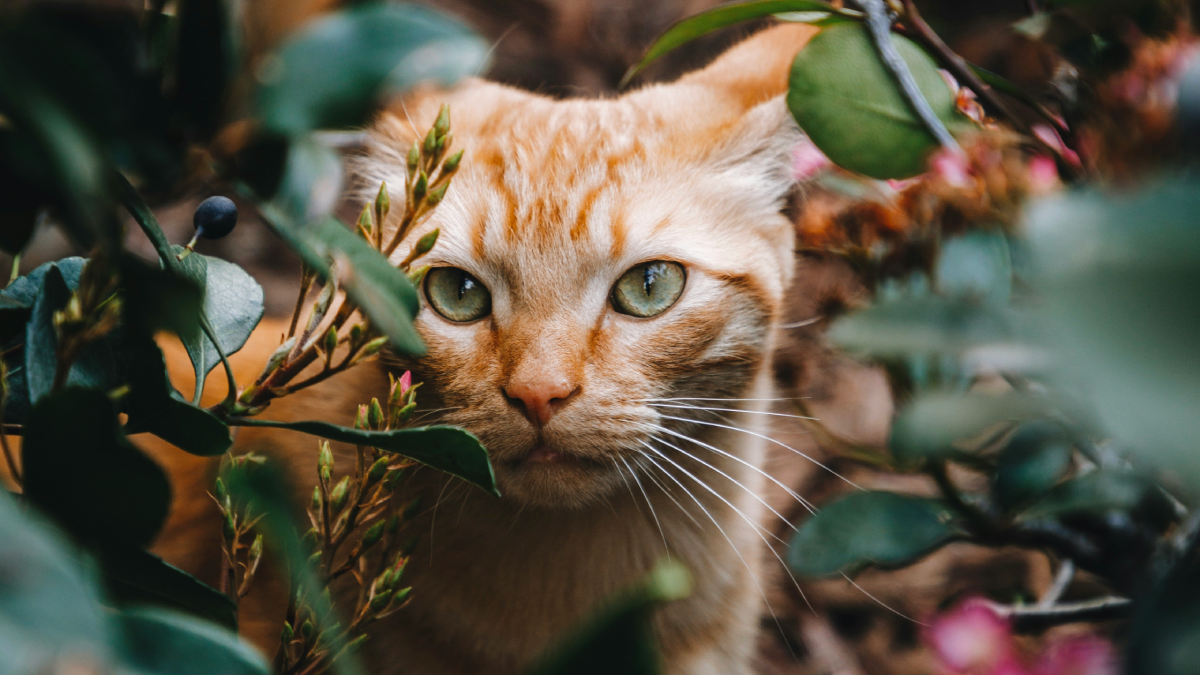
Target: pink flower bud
[[1050, 137], [405, 382], [974, 639], [808, 160]]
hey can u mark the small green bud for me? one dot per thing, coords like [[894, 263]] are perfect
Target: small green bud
[[377, 471], [420, 187], [331, 340], [310, 539], [393, 524], [354, 645], [414, 157], [411, 510], [430, 146], [286, 635], [425, 244], [307, 629], [402, 414], [451, 163], [365, 225], [418, 275], [325, 456], [373, 347], [314, 559], [440, 148], [339, 494], [278, 356], [436, 194], [379, 602], [392, 477], [316, 500], [227, 528], [401, 595], [222, 494], [383, 582], [383, 204], [356, 334], [375, 415], [360, 420], [442, 125], [372, 536]]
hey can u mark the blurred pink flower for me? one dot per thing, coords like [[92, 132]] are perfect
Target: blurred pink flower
[[1043, 174], [951, 166], [808, 160], [1078, 655], [1050, 137], [974, 639]]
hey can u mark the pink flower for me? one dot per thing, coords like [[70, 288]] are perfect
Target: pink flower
[[974, 639], [1043, 174], [1051, 138], [405, 382], [1079, 655], [951, 166], [808, 160]]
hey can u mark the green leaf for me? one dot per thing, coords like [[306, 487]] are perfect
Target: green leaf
[[332, 73], [692, 27], [311, 183], [155, 406], [382, 291], [160, 641], [621, 638], [1031, 463], [925, 325], [158, 299], [846, 101], [976, 265], [81, 470], [233, 303], [20, 294], [99, 365], [930, 426], [46, 603], [134, 576], [869, 528], [1119, 277], [1162, 635], [450, 449], [1100, 491]]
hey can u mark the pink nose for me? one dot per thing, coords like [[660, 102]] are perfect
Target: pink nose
[[540, 398]]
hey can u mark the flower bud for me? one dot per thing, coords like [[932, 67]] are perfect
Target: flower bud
[[418, 275], [256, 551], [392, 477], [222, 494], [442, 125], [420, 187], [451, 163], [277, 357], [307, 629], [402, 414], [425, 244], [372, 536], [316, 500], [325, 457], [354, 645], [339, 494], [383, 582], [393, 524], [377, 471], [286, 635], [379, 602], [356, 335], [430, 143], [228, 530], [331, 340], [414, 157], [365, 226], [375, 415], [383, 204], [409, 546], [372, 348], [436, 194], [401, 595]]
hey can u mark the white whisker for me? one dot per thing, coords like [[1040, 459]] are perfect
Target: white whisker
[[654, 515], [733, 410], [882, 603], [766, 438], [685, 398]]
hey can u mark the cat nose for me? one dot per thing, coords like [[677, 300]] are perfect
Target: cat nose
[[540, 398]]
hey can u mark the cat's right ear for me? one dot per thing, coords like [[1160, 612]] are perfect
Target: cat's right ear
[[754, 70]]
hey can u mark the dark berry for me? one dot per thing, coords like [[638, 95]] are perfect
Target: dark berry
[[215, 217]]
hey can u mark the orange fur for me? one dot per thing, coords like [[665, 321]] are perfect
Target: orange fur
[[553, 202]]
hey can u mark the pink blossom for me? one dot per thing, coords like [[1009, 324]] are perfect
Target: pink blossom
[[1079, 655], [1043, 174], [1051, 138], [974, 639], [405, 382], [951, 166], [808, 160]]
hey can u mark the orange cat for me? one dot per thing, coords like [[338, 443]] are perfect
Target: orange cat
[[609, 272]]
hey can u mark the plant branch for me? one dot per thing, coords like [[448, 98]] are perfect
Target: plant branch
[[1037, 618], [1066, 573]]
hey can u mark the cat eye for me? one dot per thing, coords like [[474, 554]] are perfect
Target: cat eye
[[649, 289], [457, 295]]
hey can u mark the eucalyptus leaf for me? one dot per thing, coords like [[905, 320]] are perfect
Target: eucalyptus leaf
[[155, 406], [162, 641], [331, 73], [233, 303], [692, 27], [932, 425], [81, 470], [869, 528], [926, 325], [844, 98], [451, 449], [976, 265], [135, 577], [1031, 463], [1098, 492]]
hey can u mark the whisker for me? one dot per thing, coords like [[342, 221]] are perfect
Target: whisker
[[767, 438], [735, 410], [882, 603], [736, 552], [648, 503], [686, 398], [753, 525], [651, 477]]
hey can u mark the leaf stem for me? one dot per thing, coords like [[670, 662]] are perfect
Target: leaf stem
[[15, 272], [1037, 618], [879, 26]]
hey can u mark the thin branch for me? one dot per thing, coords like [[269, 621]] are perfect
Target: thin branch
[[1066, 573], [879, 25], [1032, 619]]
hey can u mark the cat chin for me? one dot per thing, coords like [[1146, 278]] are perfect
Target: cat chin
[[555, 481]]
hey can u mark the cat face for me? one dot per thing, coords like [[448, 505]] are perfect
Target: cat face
[[594, 256]]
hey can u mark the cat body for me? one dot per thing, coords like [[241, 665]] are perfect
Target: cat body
[[618, 440]]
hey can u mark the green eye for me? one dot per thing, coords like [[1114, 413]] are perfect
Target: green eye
[[457, 295], [649, 289]]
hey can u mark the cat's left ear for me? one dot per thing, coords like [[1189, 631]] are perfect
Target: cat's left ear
[[756, 154]]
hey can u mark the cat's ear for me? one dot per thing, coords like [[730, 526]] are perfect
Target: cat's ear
[[755, 155], [756, 69]]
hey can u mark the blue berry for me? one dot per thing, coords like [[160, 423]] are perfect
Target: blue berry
[[215, 217]]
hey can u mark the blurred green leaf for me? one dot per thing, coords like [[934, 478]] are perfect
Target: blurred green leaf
[[233, 303], [451, 449], [692, 27], [1120, 279], [334, 71], [382, 291], [47, 605], [930, 426], [1162, 635], [158, 299], [1100, 491], [620, 639], [1031, 463], [134, 576], [869, 528], [155, 406], [161, 641], [847, 102], [81, 470], [975, 265], [925, 325], [311, 183], [100, 364]]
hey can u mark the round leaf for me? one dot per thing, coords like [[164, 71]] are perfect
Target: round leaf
[[161, 641], [846, 101], [864, 528], [1031, 463], [929, 426]]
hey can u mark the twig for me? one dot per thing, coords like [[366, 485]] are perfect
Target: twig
[[15, 272], [879, 26], [1027, 619], [1066, 573]]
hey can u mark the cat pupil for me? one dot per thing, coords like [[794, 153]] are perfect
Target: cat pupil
[[649, 276]]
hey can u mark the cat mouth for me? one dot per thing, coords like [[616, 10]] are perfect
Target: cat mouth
[[543, 455]]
